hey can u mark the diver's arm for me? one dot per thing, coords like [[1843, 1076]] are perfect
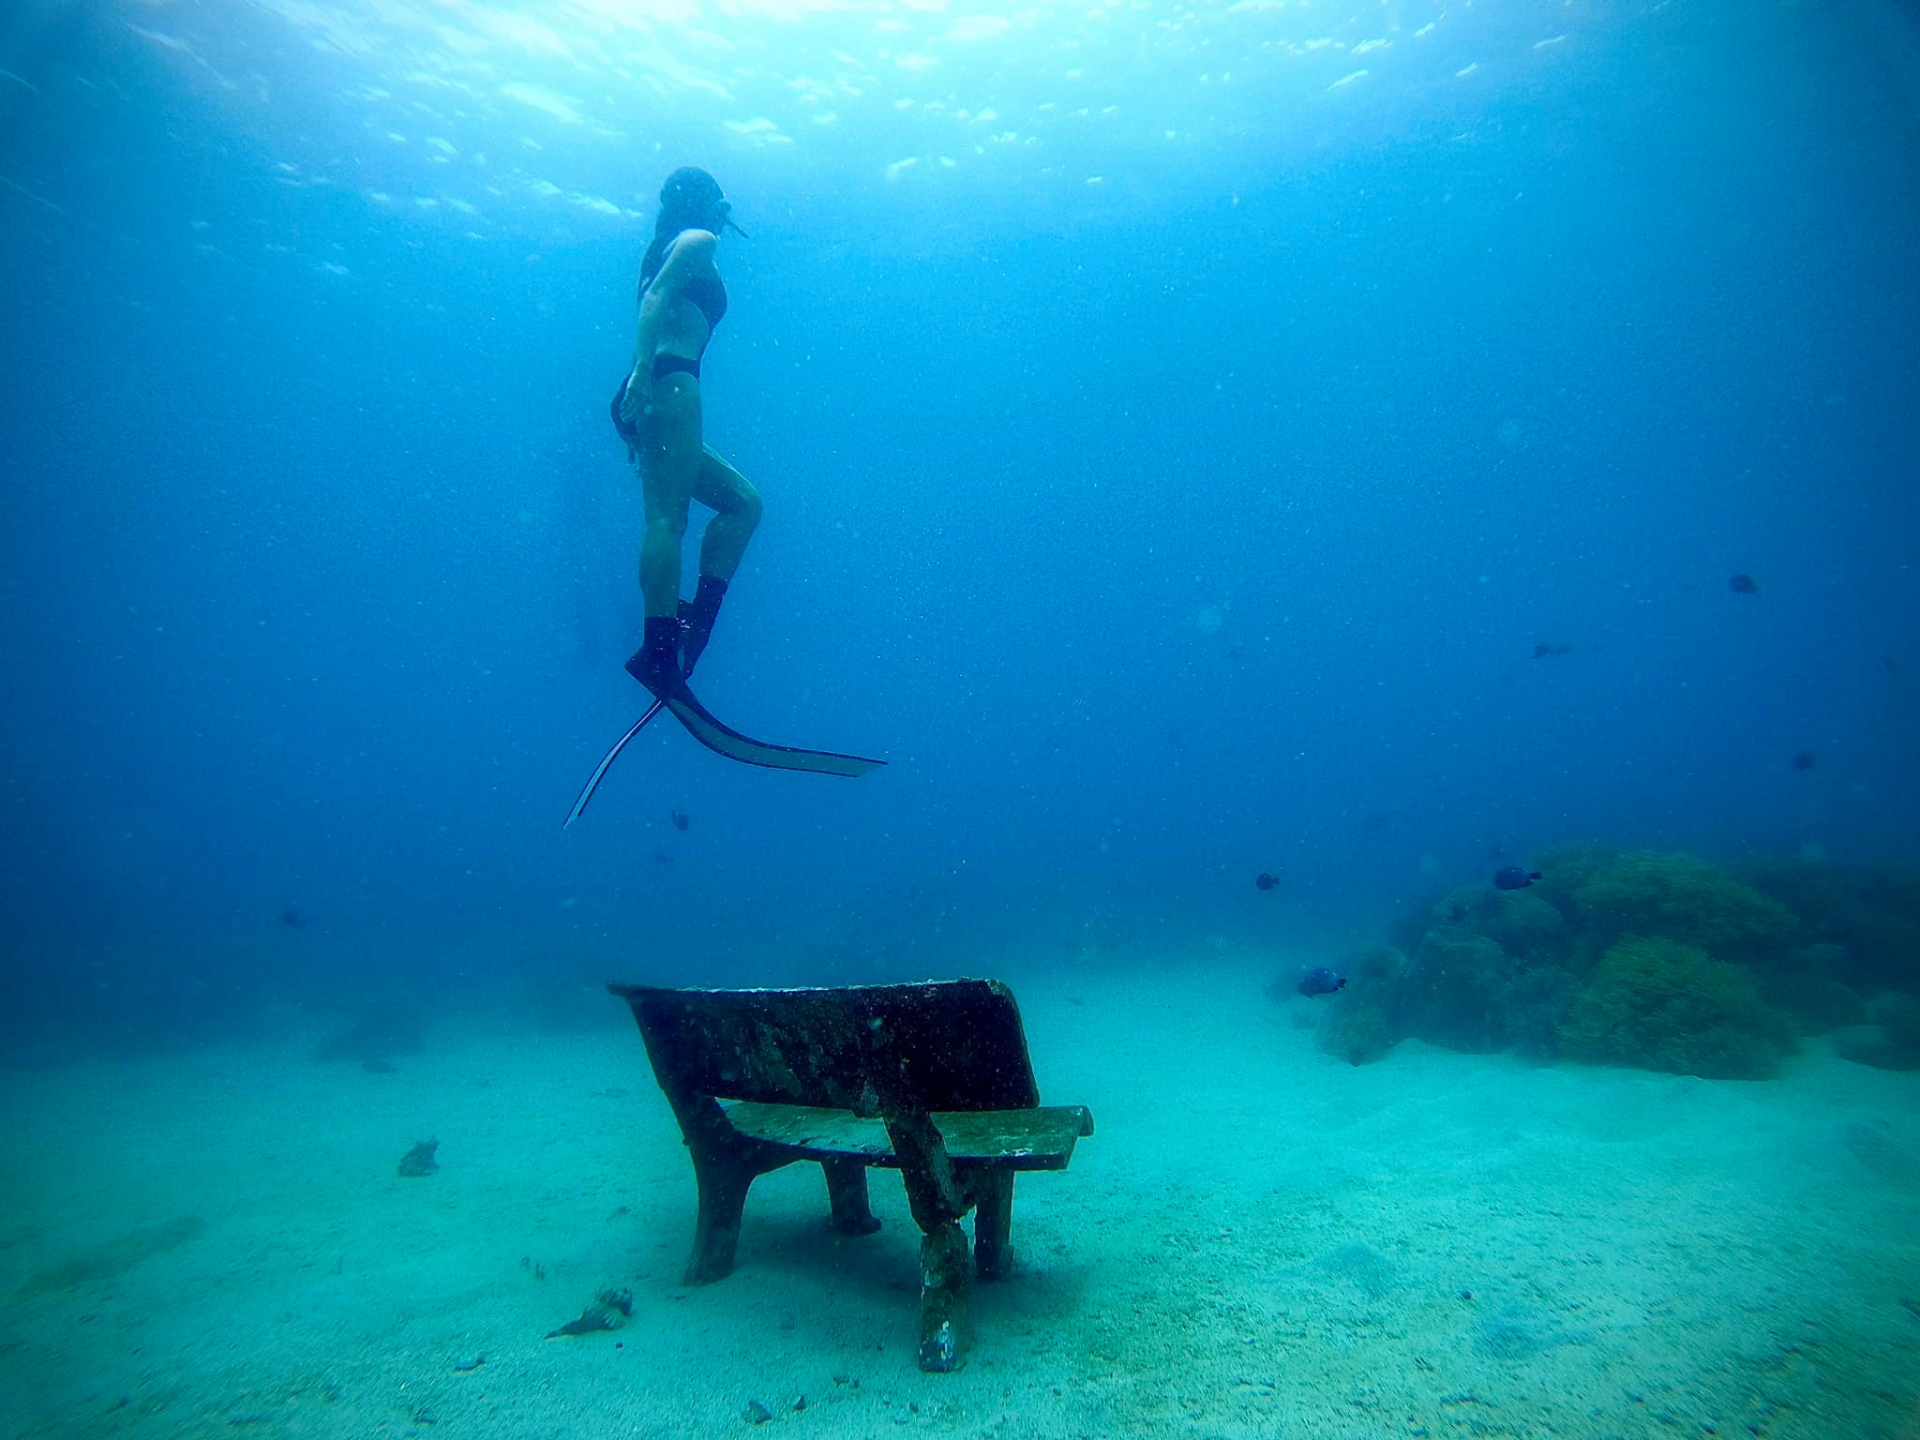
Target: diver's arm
[[646, 341]]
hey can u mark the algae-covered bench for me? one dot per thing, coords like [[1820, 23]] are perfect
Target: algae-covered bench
[[930, 1079]]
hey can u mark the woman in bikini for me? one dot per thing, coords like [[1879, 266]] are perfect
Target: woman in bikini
[[657, 412]]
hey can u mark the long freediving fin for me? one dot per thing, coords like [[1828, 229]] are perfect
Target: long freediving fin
[[724, 740], [606, 763]]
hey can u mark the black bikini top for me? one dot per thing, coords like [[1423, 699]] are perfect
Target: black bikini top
[[708, 296]]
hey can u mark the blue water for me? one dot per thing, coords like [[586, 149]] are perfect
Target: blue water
[[1170, 473]]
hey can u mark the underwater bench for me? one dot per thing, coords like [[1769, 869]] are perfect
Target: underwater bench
[[932, 1080]]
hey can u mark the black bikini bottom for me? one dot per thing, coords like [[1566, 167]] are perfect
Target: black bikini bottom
[[663, 366]]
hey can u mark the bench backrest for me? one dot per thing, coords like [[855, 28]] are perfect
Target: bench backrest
[[942, 1045]]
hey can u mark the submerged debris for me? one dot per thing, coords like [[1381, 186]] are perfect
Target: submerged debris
[[609, 1311]]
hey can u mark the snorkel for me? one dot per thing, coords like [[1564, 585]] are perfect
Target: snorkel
[[723, 212]]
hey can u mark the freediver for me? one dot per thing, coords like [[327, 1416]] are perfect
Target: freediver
[[658, 412]]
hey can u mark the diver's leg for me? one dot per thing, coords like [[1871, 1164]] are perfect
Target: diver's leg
[[736, 507], [669, 462], [670, 458]]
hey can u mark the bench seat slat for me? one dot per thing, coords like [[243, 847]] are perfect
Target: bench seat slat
[[1035, 1139]]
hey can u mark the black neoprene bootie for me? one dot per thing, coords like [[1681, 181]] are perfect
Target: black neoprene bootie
[[698, 615], [656, 664]]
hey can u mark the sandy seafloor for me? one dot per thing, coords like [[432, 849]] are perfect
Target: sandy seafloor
[[1259, 1240]]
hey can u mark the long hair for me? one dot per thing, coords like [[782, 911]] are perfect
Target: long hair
[[686, 202]]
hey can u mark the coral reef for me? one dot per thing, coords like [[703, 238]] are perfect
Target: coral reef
[[1467, 992], [1664, 1005], [1870, 915], [1804, 985], [1648, 957], [1611, 893], [1521, 923], [1357, 1032], [1354, 1021]]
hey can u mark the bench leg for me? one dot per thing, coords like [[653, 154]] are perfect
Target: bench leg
[[992, 1221], [716, 1234], [944, 1329], [847, 1195]]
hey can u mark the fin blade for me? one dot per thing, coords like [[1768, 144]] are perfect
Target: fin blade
[[722, 739]]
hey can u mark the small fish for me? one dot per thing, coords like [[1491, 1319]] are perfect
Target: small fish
[[1264, 881], [1744, 584], [1320, 981], [1512, 877], [1806, 759], [1554, 647], [293, 919], [679, 818]]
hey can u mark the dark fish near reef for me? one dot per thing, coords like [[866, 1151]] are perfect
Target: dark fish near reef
[[1744, 584], [1512, 877], [1264, 881], [1320, 982], [679, 818]]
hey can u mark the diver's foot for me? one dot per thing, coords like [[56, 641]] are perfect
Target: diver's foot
[[697, 616], [660, 679], [656, 664]]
